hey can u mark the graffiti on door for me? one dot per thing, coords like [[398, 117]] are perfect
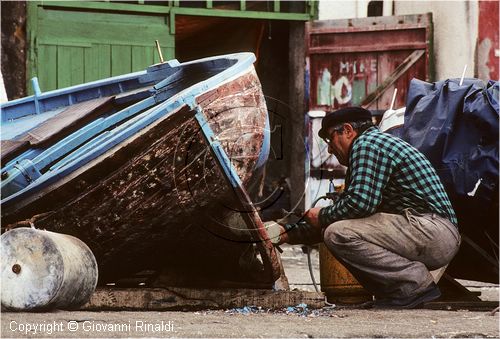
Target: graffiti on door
[[346, 82]]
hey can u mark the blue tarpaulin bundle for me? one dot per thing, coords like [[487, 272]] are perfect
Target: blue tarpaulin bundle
[[456, 127]]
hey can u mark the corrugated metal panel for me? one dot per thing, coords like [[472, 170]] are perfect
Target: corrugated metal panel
[[72, 45], [360, 61]]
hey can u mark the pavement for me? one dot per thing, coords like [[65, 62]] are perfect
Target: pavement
[[339, 324], [251, 322]]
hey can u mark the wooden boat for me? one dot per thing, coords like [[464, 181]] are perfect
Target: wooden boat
[[144, 168]]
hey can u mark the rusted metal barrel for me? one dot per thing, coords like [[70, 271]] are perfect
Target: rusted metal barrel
[[45, 270], [338, 284]]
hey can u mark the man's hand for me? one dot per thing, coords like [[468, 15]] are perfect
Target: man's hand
[[312, 216], [276, 233]]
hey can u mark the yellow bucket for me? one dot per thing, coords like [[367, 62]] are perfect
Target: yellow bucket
[[338, 284]]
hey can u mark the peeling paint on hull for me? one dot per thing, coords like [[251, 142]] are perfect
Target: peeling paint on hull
[[159, 201]]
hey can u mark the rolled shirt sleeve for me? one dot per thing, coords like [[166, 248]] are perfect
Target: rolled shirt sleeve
[[386, 174], [371, 171]]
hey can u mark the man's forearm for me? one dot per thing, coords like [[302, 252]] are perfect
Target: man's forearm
[[301, 233]]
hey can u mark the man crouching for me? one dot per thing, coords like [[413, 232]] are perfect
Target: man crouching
[[394, 221]]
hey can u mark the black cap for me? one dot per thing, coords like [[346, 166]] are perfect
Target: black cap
[[347, 114]]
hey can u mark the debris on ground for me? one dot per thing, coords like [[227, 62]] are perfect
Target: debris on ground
[[301, 310], [247, 310]]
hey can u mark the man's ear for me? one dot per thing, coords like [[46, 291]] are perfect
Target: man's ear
[[349, 130]]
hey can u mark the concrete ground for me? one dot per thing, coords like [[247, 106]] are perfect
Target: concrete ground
[[336, 321], [339, 323]]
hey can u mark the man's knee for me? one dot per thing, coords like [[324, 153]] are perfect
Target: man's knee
[[338, 234]]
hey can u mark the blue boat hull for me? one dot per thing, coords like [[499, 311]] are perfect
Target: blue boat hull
[[148, 195]]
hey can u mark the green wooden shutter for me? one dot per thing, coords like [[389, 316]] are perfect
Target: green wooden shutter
[[73, 46]]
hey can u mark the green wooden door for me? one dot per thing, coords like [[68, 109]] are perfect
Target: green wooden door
[[73, 46]]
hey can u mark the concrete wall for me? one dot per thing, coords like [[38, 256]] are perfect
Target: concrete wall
[[455, 33], [329, 10], [455, 28], [342, 9]]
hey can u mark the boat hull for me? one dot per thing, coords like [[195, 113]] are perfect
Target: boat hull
[[159, 200]]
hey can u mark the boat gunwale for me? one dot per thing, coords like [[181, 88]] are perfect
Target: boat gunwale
[[244, 63], [73, 90]]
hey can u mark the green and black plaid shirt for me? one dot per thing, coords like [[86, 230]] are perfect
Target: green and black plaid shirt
[[386, 174]]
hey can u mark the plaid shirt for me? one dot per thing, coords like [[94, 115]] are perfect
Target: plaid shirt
[[386, 174]]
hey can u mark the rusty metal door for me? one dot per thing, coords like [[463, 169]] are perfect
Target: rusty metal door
[[356, 62]]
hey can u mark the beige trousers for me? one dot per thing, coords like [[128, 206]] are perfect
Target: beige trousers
[[390, 254]]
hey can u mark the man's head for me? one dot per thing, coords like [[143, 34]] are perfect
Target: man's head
[[339, 129]]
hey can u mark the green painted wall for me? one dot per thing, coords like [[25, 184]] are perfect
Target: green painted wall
[[73, 46], [71, 42]]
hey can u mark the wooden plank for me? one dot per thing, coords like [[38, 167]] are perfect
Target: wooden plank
[[171, 20], [31, 34], [68, 120], [371, 48], [97, 62], [104, 55], [389, 61], [121, 60], [131, 8], [371, 40], [67, 43], [91, 63], [389, 40], [134, 8], [47, 74], [358, 91], [142, 57], [76, 16], [241, 14], [169, 53], [313, 7], [76, 66], [342, 78], [72, 30], [70, 69], [276, 5], [63, 65], [175, 298], [461, 305], [88, 27], [374, 28], [12, 148], [401, 69], [374, 23]]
